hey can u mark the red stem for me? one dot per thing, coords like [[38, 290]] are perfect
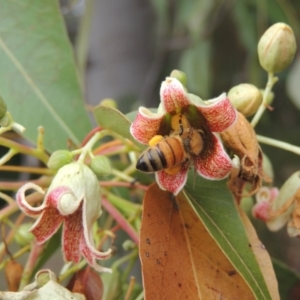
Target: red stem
[[120, 220]]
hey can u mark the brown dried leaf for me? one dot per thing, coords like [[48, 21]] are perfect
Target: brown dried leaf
[[180, 260], [13, 274], [262, 256]]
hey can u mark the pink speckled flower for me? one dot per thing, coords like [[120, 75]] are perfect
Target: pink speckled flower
[[73, 199], [210, 117]]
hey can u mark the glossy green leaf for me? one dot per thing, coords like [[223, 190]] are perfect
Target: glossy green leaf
[[215, 206], [110, 118], [38, 76]]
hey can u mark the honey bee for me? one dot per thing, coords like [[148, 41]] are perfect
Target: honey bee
[[180, 147]]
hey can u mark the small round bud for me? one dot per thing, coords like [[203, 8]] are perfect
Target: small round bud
[[59, 158], [277, 48], [3, 107], [5, 121], [270, 97], [101, 165], [23, 236], [109, 102], [179, 75], [128, 245], [246, 98]]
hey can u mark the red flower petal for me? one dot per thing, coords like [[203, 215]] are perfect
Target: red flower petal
[[220, 114], [172, 183], [47, 224], [217, 165], [72, 235], [145, 125], [173, 95], [27, 208]]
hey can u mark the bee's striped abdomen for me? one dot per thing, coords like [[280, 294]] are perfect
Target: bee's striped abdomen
[[163, 155]]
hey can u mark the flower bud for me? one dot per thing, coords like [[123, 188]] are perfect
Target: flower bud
[[59, 158], [3, 108], [13, 275], [179, 75], [23, 236], [5, 121], [286, 192], [109, 103], [246, 98], [276, 48], [101, 165]]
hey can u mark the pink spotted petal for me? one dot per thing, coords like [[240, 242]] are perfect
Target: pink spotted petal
[[217, 165], [220, 114], [145, 125], [173, 95], [21, 199], [47, 224], [72, 235], [172, 183]]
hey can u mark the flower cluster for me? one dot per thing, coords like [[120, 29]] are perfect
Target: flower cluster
[[208, 117]]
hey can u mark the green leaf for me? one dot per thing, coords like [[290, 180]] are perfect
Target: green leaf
[[38, 76], [110, 118], [215, 206]]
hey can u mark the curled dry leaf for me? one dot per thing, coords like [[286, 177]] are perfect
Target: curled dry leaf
[[180, 259], [240, 138]]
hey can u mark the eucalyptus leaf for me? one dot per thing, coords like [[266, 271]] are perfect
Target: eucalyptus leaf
[[111, 118], [38, 76], [215, 206]]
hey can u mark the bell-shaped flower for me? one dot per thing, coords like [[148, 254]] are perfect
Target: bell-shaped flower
[[208, 117], [280, 207], [74, 200]]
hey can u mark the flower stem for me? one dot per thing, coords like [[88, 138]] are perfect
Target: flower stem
[[89, 145], [34, 255], [120, 220], [278, 144], [271, 81], [18, 148]]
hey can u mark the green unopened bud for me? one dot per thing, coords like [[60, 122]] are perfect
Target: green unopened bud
[[3, 107], [59, 158], [246, 98], [277, 48], [128, 245], [270, 97], [101, 165], [109, 102], [23, 236], [5, 121], [179, 75]]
